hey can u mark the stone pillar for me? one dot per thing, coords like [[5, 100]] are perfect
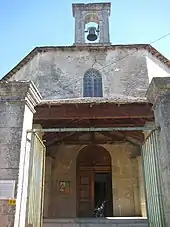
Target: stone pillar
[[17, 107], [47, 189], [79, 27], [104, 27], [159, 94]]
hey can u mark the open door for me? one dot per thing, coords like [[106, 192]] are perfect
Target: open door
[[85, 199], [36, 182], [93, 162], [103, 191]]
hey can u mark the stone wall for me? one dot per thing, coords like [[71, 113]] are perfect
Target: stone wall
[[63, 169], [59, 73], [17, 100], [159, 95], [125, 183]]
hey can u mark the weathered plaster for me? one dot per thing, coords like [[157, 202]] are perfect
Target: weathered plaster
[[125, 187], [156, 69], [59, 74], [17, 101], [63, 168]]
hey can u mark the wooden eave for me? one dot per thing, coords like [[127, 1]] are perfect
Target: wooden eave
[[83, 111], [84, 115]]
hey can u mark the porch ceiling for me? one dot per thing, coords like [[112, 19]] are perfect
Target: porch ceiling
[[83, 115]]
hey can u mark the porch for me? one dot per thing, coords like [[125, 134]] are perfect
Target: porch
[[87, 141], [104, 222]]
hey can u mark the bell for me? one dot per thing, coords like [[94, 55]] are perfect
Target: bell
[[92, 34]]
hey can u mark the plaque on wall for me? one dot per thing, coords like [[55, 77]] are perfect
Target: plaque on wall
[[64, 187], [7, 189]]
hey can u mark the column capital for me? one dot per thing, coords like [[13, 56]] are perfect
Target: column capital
[[20, 91], [159, 89]]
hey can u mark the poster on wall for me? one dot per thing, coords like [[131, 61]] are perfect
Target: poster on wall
[[64, 187], [7, 189]]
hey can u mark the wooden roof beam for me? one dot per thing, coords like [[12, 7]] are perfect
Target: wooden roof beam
[[100, 111]]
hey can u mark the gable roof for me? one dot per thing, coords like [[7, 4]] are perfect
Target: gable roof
[[88, 47]]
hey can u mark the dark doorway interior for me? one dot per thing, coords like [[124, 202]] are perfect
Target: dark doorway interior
[[103, 191]]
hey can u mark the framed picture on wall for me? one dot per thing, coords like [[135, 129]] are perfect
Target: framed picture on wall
[[64, 187]]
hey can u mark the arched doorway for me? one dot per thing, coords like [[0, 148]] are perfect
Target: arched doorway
[[94, 180]]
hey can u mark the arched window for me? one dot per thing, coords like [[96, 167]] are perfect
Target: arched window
[[92, 84]]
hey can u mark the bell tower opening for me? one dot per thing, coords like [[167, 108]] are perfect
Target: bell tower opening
[[92, 31], [92, 23]]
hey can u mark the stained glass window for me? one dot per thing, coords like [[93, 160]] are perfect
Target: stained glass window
[[92, 84]]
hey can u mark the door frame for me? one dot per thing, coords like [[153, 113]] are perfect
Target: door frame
[[93, 170]]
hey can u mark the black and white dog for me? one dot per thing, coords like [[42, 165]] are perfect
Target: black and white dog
[[99, 210]]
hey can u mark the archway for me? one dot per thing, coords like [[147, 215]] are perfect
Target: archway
[[94, 180]]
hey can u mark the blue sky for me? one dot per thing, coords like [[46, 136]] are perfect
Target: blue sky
[[27, 24]]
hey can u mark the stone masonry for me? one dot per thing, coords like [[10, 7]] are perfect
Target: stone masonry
[[58, 73], [159, 94], [16, 107]]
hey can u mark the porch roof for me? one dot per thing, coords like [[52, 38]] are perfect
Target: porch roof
[[93, 112], [94, 108], [116, 98]]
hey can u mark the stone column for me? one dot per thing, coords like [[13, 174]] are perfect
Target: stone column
[[104, 27], [16, 107], [79, 27], [101, 30], [159, 94]]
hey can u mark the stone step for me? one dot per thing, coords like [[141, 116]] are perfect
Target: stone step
[[96, 222]]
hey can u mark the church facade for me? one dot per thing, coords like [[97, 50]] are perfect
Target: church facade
[[86, 125]]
